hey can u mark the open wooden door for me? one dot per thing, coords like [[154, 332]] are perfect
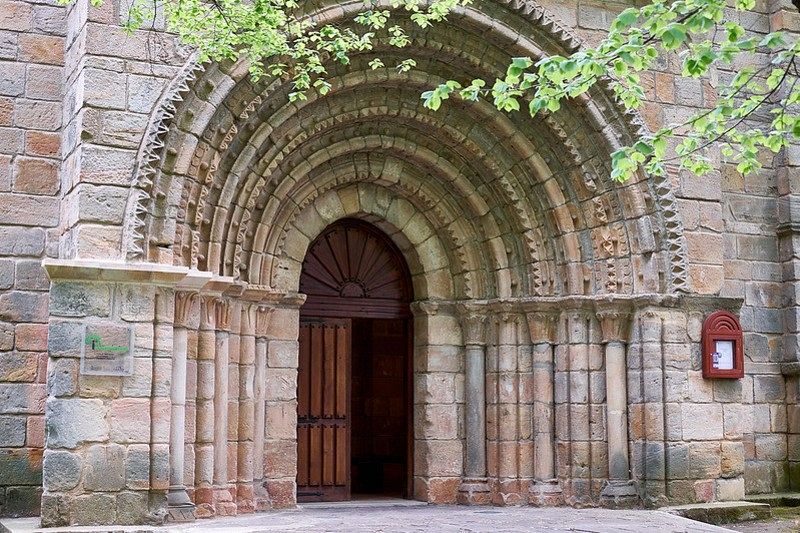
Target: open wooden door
[[323, 411]]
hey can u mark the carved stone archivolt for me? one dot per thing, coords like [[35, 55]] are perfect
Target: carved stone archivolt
[[529, 181]]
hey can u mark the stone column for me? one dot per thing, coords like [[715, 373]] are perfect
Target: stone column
[[180, 508], [260, 396], [205, 420], [545, 489], [223, 501], [246, 427], [615, 325], [508, 490], [474, 488]]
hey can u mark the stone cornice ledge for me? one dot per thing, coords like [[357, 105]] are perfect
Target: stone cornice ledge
[[698, 302], [122, 272], [179, 278]]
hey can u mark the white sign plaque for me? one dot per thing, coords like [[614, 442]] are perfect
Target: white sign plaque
[[107, 350], [723, 355]]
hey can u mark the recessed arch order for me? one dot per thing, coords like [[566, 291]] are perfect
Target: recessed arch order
[[234, 179]]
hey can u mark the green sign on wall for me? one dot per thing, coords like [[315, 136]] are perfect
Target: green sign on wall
[[107, 350]]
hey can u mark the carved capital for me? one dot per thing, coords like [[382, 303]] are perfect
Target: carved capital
[[185, 308], [425, 307], [473, 323], [542, 326], [223, 315], [614, 324], [249, 312], [208, 311], [263, 315]]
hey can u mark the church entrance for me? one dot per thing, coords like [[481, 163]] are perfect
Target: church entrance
[[354, 377]]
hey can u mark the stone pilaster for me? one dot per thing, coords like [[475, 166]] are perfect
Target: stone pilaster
[[615, 326], [280, 442], [180, 508], [545, 489], [439, 435], [474, 488]]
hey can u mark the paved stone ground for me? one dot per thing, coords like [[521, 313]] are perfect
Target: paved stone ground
[[784, 520], [446, 519], [354, 518]]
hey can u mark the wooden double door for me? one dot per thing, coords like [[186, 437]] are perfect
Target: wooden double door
[[354, 379], [353, 409]]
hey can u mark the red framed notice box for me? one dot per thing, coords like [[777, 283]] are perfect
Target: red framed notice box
[[723, 346]]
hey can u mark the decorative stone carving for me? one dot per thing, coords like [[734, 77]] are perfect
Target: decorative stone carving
[[473, 323], [542, 326], [614, 325], [223, 315], [263, 315], [208, 310], [425, 307], [185, 308]]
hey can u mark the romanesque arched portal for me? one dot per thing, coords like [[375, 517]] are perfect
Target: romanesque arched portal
[[549, 311]]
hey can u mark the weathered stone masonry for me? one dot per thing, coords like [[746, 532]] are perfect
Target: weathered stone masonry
[[557, 315]]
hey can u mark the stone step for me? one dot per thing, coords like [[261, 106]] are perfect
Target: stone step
[[777, 499], [722, 512]]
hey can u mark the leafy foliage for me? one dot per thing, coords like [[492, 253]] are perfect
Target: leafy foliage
[[705, 36]]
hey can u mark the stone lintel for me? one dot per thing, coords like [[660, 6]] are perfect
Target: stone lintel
[[587, 303]]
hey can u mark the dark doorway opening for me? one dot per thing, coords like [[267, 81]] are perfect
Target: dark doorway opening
[[379, 402], [354, 377]]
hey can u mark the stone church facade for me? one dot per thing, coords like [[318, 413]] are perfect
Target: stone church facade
[[552, 318]]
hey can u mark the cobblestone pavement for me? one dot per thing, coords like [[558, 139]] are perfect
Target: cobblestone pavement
[[446, 519]]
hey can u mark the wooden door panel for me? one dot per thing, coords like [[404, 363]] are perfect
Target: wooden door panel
[[323, 413]]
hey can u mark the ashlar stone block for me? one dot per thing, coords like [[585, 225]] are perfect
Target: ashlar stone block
[[71, 422], [105, 468], [61, 470]]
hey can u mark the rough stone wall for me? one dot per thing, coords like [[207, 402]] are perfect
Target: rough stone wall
[[107, 437], [31, 71]]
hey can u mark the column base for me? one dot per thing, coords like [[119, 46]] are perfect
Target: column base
[[474, 491], [245, 499], [179, 507], [260, 497], [620, 493], [223, 502], [546, 493]]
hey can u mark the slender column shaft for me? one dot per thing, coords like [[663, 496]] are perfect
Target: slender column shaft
[[178, 397], [617, 411], [259, 392], [543, 412], [221, 409], [475, 411], [204, 425], [246, 428]]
